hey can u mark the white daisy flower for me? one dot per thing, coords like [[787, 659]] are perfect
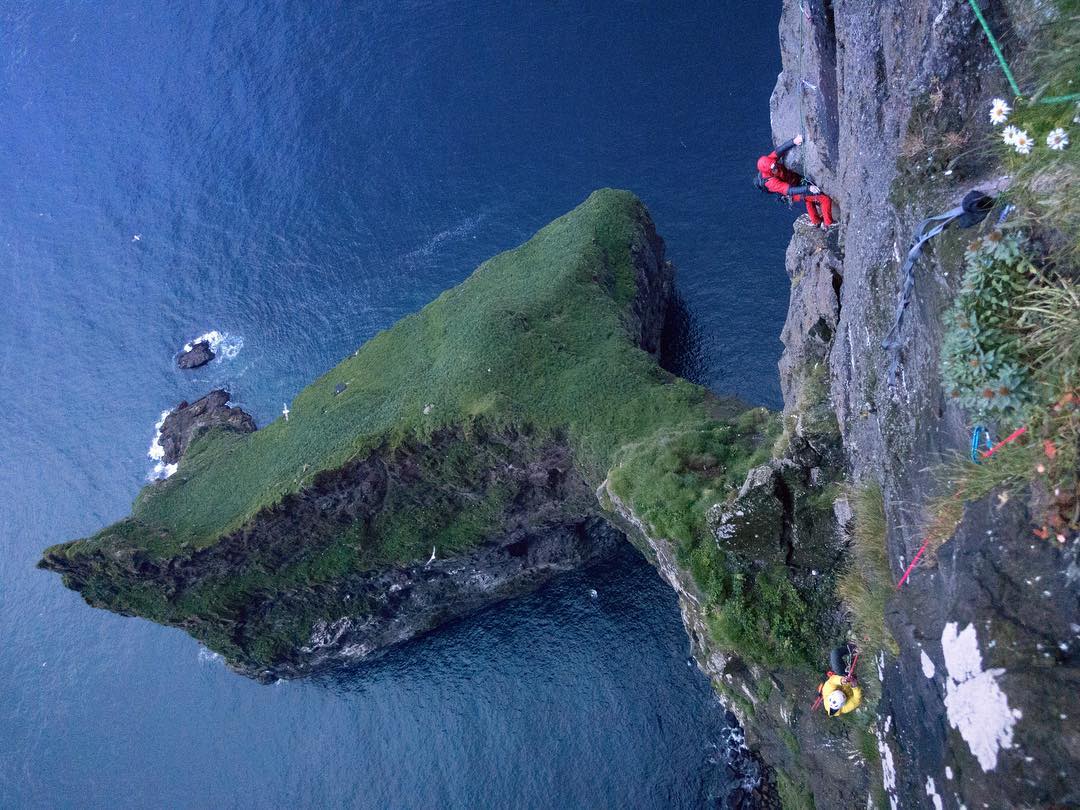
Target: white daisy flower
[[999, 111], [1022, 142], [1009, 134], [1058, 139]]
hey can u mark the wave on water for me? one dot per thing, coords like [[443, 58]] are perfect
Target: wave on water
[[209, 656], [224, 345], [161, 470], [460, 231]]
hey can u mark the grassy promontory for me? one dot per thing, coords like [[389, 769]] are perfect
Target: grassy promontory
[[540, 346]]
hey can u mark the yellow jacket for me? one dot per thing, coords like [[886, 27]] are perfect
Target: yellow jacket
[[851, 691]]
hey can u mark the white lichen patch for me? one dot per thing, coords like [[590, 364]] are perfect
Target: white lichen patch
[[888, 767], [927, 665], [975, 704], [931, 791]]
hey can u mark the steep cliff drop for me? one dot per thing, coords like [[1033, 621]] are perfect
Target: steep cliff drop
[[978, 674], [521, 425]]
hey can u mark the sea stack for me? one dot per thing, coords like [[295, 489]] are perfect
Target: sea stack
[[198, 355]]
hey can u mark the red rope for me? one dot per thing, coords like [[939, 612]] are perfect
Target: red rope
[[1012, 437], [907, 573]]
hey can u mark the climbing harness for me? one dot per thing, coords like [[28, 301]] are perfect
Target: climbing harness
[[1005, 65], [971, 211], [1012, 437]]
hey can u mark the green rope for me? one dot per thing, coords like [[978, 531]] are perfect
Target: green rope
[[1005, 65], [801, 88], [1059, 99], [996, 47]]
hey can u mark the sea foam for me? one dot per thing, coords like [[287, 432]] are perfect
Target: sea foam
[[224, 345], [156, 453]]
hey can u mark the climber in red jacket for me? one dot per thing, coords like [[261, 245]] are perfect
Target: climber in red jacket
[[779, 179]]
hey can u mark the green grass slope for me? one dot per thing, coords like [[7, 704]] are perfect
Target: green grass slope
[[537, 335]]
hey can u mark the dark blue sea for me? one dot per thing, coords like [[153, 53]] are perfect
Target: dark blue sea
[[295, 177]]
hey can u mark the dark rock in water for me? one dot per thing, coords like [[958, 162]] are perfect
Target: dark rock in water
[[188, 421], [198, 355]]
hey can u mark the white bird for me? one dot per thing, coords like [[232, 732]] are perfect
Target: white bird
[[136, 237], [429, 562], [285, 412]]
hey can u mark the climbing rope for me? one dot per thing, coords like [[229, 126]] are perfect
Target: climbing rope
[[927, 230], [997, 48], [971, 211], [1005, 65], [1012, 437]]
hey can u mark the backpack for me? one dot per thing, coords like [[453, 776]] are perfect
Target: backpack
[[759, 184]]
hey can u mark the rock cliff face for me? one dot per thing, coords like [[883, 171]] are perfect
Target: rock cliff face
[[518, 458], [979, 708]]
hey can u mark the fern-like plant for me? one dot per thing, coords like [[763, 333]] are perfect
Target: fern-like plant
[[981, 355]]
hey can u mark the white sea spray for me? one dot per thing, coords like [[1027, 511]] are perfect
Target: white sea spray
[[224, 345], [156, 453]]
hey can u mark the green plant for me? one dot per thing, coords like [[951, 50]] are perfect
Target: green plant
[[866, 586], [794, 795], [1044, 179], [982, 360]]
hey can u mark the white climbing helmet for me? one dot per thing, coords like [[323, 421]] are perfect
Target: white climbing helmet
[[836, 700]]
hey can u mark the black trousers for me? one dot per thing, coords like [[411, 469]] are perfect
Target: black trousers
[[840, 658]]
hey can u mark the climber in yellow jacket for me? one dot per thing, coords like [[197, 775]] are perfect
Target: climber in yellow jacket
[[841, 693]]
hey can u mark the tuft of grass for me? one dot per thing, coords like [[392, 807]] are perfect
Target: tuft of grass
[[794, 795], [674, 477], [1045, 180], [1010, 470], [866, 586]]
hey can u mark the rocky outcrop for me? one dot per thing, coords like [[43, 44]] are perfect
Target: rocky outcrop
[[199, 354], [189, 421], [221, 593]]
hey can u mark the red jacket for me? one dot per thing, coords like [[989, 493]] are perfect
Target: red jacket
[[779, 179]]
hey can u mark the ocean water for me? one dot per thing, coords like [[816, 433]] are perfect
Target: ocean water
[[296, 177]]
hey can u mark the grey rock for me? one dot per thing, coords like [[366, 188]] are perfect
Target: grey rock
[[188, 422], [198, 355]]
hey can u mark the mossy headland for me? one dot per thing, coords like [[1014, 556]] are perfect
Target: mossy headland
[[476, 431]]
